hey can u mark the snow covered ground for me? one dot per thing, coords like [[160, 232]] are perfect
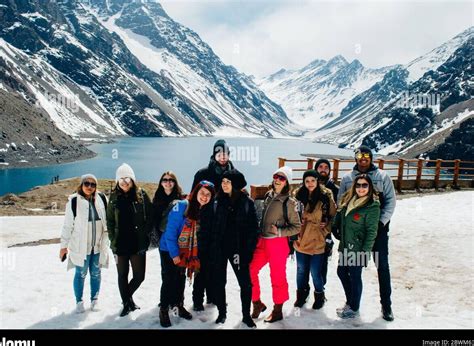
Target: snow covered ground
[[432, 251]]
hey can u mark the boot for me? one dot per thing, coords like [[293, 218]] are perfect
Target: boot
[[165, 318], [221, 318], [126, 309], [258, 307], [133, 306], [183, 313], [247, 319], [301, 296], [276, 314], [387, 314], [319, 300]]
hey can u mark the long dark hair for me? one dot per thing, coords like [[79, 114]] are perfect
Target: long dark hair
[[160, 194], [234, 197], [194, 207], [352, 192], [304, 196]]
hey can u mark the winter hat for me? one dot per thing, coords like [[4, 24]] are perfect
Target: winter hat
[[320, 161], [286, 171], [311, 173], [124, 171], [364, 149], [237, 178], [219, 147], [88, 176]]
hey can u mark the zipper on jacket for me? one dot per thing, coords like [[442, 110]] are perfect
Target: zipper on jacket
[[94, 230]]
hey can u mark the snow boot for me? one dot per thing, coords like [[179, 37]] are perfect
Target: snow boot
[[258, 307], [301, 296]]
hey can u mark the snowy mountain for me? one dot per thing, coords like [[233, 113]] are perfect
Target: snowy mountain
[[118, 67], [413, 119], [380, 116], [316, 94]]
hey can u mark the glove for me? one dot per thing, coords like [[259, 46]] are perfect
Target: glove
[[329, 246]]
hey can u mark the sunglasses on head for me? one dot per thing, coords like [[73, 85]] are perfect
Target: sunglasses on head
[[279, 177], [363, 185], [168, 180], [126, 180], [363, 155], [89, 184]]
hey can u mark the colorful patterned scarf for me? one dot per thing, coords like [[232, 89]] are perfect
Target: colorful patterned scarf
[[188, 247]]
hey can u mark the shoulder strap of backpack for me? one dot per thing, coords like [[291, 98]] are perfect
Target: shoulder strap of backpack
[[104, 200], [285, 210], [74, 206]]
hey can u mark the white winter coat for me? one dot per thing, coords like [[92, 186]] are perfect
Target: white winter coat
[[74, 234]]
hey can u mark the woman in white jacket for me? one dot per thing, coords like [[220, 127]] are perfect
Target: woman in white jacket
[[84, 237]]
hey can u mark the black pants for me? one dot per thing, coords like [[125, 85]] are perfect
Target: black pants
[[201, 284], [173, 279], [219, 280], [138, 263], [380, 255]]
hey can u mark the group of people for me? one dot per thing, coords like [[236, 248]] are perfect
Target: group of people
[[218, 224]]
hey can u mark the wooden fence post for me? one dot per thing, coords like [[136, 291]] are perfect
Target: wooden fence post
[[311, 163], [381, 163], [401, 164], [456, 172], [437, 173], [419, 171], [335, 170], [281, 162]]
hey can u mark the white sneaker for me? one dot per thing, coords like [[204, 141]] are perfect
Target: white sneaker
[[95, 305], [80, 308], [340, 310], [349, 313]]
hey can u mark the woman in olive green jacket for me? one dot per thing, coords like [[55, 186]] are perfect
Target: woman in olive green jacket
[[356, 225], [129, 221]]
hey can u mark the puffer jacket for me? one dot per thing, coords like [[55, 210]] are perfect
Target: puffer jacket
[[273, 215], [312, 238]]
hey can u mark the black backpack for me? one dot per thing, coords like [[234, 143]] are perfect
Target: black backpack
[[74, 203]]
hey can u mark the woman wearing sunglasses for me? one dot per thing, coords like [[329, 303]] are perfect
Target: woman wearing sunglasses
[[356, 224], [84, 238], [280, 220], [129, 221], [166, 196], [319, 208], [179, 249]]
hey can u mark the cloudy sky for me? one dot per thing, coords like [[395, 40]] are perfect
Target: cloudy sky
[[260, 37]]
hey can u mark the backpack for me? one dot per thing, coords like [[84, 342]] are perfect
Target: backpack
[[74, 203]]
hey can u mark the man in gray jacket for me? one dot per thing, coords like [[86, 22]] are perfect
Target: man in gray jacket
[[384, 186]]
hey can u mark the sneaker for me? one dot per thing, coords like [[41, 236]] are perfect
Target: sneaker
[[349, 313], [95, 305], [387, 314], [340, 310], [80, 307]]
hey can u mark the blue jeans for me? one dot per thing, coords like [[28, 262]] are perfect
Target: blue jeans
[[91, 263], [306, 263], [351, 279]]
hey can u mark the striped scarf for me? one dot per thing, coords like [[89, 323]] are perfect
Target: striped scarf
[[188, 247]]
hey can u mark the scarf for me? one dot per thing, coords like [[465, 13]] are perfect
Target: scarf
[[188, 247], [355, 203]]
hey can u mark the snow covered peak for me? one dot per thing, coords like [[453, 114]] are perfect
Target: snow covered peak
[[435, 58]]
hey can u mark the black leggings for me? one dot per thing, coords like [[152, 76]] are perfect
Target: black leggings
[[138, 268]]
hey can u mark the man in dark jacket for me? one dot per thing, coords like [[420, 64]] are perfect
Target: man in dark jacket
[[218, 164], [323, 167], [384, 186]]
